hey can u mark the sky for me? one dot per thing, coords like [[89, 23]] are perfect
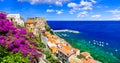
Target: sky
[[63, 9]]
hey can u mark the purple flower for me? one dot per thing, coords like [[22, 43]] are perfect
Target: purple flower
[[17, 39], [25, 51], [9, 39], [10, 46], [30, 34], [33, 50], [15, 50], [33, 43], [8, 34], [13, 31], [39, 55], [2, 42], [22, 41], [23, 31], [2, 37], [2, 15]]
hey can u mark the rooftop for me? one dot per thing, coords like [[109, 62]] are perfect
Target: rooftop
[[54, 49], [84, 60], [85, 54], [65, 51], [29, 21]]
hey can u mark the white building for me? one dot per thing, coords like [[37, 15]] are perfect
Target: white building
[[16, 18]]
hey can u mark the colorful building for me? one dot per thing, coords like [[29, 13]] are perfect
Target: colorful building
[[64, 54], [29, 25], [35, 25]]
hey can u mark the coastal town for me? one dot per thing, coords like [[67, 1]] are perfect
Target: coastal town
[[58, 47]]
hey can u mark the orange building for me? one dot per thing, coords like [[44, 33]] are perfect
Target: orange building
[[29, 24], [53, 49]]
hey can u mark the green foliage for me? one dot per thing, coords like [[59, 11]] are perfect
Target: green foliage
[[3, 53], [47, 53], [15, 58], [9, 57], [48, 28], [39, 43], [49, 57], [79, 56]]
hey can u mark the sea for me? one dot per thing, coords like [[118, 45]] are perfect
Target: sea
[[100, 38]]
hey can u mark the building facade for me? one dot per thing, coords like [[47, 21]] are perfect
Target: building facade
[[64, 55], [35, 25], [29, 25], [16, 19]]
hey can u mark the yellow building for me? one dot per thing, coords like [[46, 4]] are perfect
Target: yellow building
[[53, 49]]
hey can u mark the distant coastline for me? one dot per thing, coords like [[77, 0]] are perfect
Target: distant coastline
[[87, 20], [67, 30]]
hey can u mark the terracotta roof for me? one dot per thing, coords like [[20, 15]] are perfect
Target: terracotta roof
[[29, 21], [67, 47], [88, 61], [55, 37], [51, 40], [92, 61], [65, 51], [85, 54], [84, 60], [54, 49]]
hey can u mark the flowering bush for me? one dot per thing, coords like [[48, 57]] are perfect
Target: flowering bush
[[18, 39]]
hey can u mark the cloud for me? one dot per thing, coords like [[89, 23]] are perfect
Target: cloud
[[59, 11], [96, 16], [73, 5], [116, 18], [82, 7], [56, 11], [56, 2], [72, 11], [85, 3], [102, 6], [115, 14], [116, 11], [59, 3], [50, 10], [93, 1], [82, 14]]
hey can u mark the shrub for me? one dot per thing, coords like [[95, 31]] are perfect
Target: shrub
[[15, 58], [17, 40], [48, 28]]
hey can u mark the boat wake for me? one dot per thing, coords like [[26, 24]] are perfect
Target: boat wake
[[66, 30]]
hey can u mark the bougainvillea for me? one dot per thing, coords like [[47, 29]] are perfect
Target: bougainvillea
[[17, 39]]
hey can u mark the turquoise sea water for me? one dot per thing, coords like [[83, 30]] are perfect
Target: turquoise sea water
[[101, 39]]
